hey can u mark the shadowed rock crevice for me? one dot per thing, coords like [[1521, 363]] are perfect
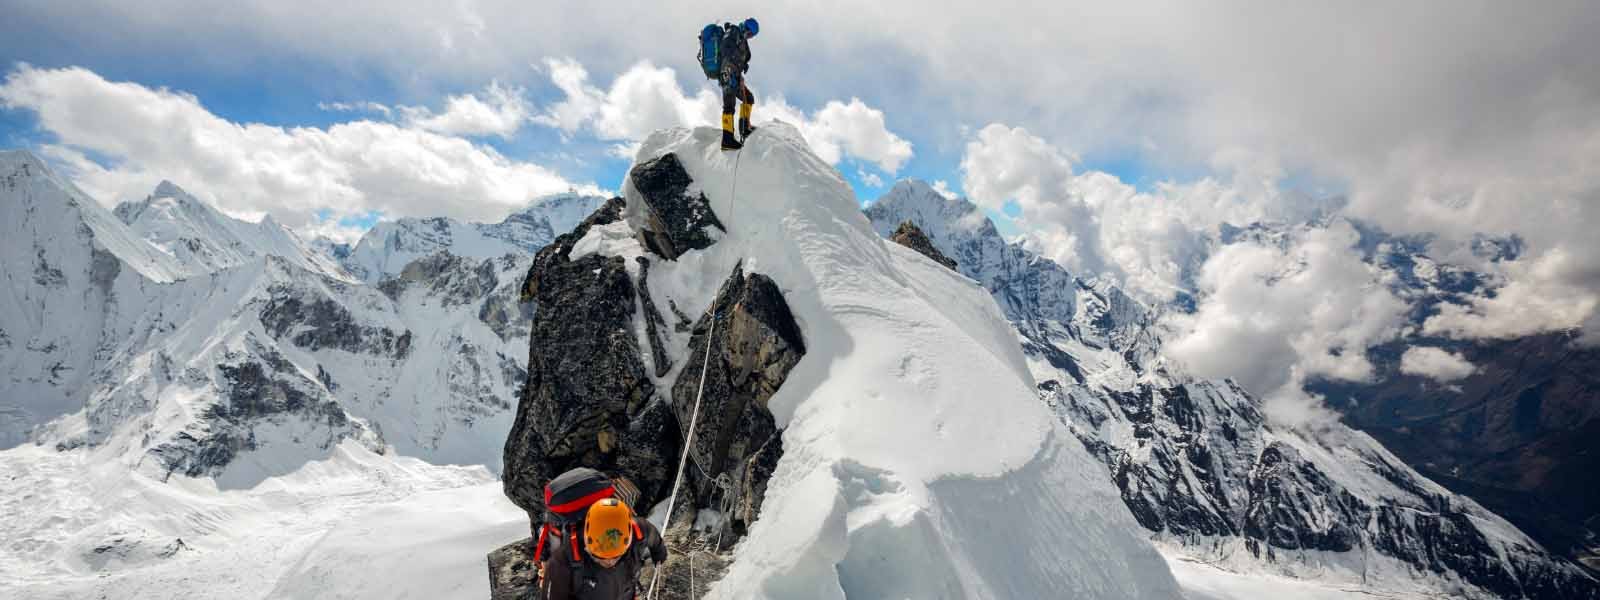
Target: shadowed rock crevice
[[654, 323], [755, 344]]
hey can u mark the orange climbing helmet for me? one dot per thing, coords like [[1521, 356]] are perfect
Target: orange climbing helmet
[[608, 529]]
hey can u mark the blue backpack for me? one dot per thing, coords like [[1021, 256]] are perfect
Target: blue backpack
[[710, 59]]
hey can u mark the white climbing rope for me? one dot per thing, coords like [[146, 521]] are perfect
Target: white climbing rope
[[694, 415]]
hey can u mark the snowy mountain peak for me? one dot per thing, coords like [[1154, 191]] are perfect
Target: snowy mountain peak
[[389, 246], [168, 189], [939, 216], [24, 162], [204, 239]]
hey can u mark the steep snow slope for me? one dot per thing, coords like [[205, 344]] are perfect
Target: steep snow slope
[[65, 265], [391, 245], [203, 239], [1201, 467], [917, 459]]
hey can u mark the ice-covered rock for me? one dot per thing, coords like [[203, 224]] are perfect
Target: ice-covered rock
[[670, 218]]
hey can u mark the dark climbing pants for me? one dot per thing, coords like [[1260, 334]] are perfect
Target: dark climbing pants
[[734, 91]]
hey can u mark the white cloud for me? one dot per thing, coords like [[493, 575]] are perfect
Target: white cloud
[[1004, 165], [943, 187], [333, 229], [501, 112], [1275, 317], [645, 98], [1094, 223], [641, 100], [1551, 292], [365, 106], [352, 168], [858, 130], [1435, 363]]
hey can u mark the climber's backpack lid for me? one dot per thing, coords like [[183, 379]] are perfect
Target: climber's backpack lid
[[569, 495]]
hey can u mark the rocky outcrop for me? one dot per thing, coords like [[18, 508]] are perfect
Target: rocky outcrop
[[257, 388], [313, 322], [672, 221], [512, 574], [588, 400], [910, 236], [754, 343]]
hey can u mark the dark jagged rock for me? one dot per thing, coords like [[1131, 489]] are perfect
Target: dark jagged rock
[[683, 324], [512, 574], [653, 321], [910, 236], [257, 386], [674, 221], [755, 344], [1289, 501], [455, 280], [588, 400], [556, 253], [316, 322]]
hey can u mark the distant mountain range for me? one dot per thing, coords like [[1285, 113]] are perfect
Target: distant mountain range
[[1197, 462]]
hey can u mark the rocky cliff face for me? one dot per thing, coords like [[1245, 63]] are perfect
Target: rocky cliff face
[[1199, 465], [588, 400]]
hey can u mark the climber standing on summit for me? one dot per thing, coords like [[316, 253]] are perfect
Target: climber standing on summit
[[725, 57]]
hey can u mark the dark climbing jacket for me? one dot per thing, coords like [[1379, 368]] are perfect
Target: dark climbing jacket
[[571, 574], [735, 53]]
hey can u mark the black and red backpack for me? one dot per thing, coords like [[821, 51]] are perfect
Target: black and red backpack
[[567, 499]]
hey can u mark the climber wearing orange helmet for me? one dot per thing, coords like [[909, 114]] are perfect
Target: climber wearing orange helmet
[[607, 567]]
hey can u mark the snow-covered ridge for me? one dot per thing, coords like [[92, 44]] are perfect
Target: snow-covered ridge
[[205, 240], [912, 432], [391, 245]]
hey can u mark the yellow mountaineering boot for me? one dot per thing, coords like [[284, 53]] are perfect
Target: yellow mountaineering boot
[[744, 121], [728, 143]]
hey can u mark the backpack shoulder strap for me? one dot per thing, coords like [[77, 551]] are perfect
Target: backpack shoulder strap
[[538, 547]]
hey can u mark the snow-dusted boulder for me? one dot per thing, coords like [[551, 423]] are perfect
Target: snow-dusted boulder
[[669, 217]]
